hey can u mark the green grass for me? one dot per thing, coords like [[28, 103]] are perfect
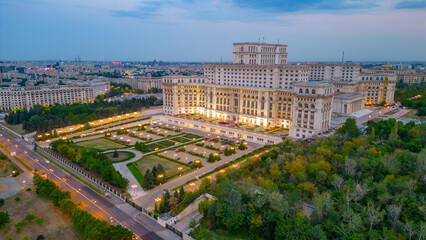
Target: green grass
[[135, 171], [181, 139], [70, 173], [100, 144], [147, 162], [167, 143], [122, 156], [17, 128], [153, 146], [23, 164], [9, 133]]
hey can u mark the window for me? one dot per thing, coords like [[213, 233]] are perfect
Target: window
[[313, 91], [300, 90]]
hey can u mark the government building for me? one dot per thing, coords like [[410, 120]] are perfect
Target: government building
[[261, 88]]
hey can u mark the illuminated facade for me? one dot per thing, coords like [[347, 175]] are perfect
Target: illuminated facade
[[252, 92]]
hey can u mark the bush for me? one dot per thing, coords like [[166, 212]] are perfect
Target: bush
[[17, 199], [20, 225], [1, 202], [39, 220], [4, 218]]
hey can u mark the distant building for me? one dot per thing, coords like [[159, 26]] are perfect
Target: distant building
[[27, 97]]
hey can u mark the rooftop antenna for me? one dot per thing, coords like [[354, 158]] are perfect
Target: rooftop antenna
[[220, 59], [259, 39], [343, 56], [263, 41], [278, 41]]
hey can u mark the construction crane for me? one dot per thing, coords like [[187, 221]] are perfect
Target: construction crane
[[384, 81]]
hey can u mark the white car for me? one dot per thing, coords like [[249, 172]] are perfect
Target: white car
[[47, 161]]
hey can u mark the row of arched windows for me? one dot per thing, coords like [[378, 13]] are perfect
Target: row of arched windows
[[307, 91]]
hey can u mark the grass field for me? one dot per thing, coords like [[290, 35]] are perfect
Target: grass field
[[153, 146], [136, 173], [17, 128], [167, 143], [101, 144], [413, 115], [55, 225], [150, 161], [122, 156], [181, 139]]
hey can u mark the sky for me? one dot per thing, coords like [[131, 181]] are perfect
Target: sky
[[204, 30]]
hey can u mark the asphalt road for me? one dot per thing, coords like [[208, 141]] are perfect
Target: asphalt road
[[99, 206]]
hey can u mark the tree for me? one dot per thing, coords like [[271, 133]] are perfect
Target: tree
[[192, 223], [4, 218], [349, 129], [374, 215], [393, 136], [68, 207], [148, 180], [242, 146], [115, 154], [394, 212]]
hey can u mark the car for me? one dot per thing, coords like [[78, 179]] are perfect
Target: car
[[107, 194], [178, 158], [220, 152], [68, 176], [47, 161], [172, 149], [190, 162]]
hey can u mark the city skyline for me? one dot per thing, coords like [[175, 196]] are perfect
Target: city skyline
[[196, 31]]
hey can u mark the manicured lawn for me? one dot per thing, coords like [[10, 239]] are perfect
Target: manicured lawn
[[150, 161], [167, 143], [101, 144], [181, 139], [191, 136], [153, 146], [135, 171], [122, 156]]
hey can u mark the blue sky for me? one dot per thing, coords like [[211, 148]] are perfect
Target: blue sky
[[195, 30]]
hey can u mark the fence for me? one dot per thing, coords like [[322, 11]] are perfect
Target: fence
[[111, 190]]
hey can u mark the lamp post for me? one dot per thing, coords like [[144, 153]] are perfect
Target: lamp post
[[160, 176], [180, 170], [134, 186], [192, 184]]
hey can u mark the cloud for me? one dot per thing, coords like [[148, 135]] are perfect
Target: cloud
[[283, 6], [411, 4]]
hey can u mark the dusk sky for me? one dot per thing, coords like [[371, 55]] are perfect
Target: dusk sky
[[192, 30]]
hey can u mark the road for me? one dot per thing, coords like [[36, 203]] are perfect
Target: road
[[101, 207]]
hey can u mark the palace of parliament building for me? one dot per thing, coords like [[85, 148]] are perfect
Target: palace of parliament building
[[261, 88]]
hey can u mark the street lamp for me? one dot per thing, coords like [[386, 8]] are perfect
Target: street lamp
[[180, 170], [134, 186], [192, 184]]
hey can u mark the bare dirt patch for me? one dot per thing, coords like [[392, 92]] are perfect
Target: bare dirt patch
[[55, 225]]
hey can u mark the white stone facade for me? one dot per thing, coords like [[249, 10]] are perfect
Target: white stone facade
[[269, 95], [260, 53]]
